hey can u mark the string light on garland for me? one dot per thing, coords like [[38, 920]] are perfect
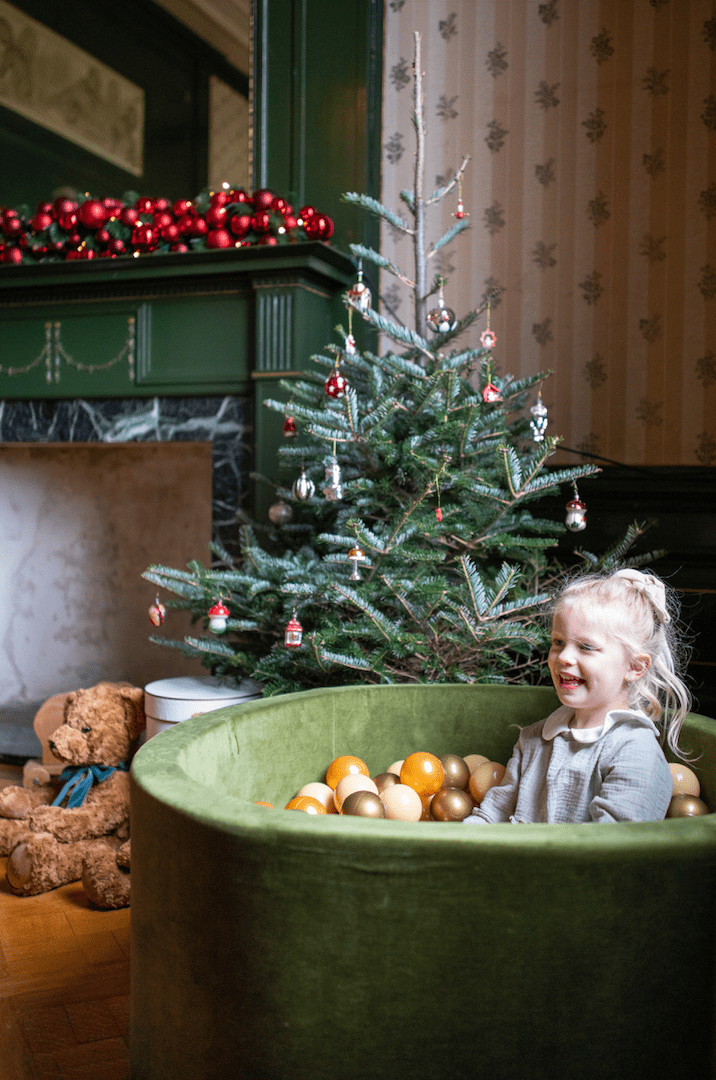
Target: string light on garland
[[442, 319], [356, 555], [539, 420], [218, 614], [576, 520], [293, 634], [303, 487], [157, 612]]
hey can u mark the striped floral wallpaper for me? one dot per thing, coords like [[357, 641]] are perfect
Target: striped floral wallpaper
[[591, 189]]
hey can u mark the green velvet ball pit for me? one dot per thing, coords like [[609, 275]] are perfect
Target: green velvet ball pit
[[274, 945]]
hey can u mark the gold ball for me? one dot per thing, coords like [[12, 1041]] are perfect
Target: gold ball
[[686, 782], [473, 760], [485, 776], [451, 804], [348, 785], [280, 513], [385, 780], [363, 804], [686, 806], [457, 771]]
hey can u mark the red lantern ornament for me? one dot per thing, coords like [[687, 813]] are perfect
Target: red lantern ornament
[[439, 513], [289, 428], [336, 384], [218, 614], [293, 633]]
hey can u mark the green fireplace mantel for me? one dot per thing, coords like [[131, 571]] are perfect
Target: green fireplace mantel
[[179, 325]]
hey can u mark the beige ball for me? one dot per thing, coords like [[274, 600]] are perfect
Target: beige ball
[[686, 782], [485, 776], [396, 767], [402, 803], [473, 760], [322, 792], [348, 784]]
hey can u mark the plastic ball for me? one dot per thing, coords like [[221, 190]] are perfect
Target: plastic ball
[[198, 227], [42, 221], [686, 806], [261, 221], [347, 785], [686, 782], [322, 792], [263, 198], [215, 217], [346, 765], [219, 238], [451, 804], [240, 224], [385, 780], [363, 804], [473, 760], [396, 767], [423, 772], [260, 802], [402, 803], [306, 804], [92, 213], [457, 772], [485, 776]]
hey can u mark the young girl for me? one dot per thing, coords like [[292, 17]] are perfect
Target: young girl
[[598, 756]]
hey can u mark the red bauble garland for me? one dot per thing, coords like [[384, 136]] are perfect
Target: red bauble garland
[[86, 227]]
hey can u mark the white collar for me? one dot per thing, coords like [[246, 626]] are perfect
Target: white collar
[[557, 723]]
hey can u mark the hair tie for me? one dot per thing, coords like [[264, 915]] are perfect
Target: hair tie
[[651, 586]]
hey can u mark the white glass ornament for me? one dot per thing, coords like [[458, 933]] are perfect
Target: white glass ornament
[[539, 421], [333, 489], [576, 519]]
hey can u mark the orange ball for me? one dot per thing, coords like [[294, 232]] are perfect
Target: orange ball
[[402, 803], [307, 804], [322, 792], [485, 776], [423, 772], [686, 782], [473, 760], [346, 765], [269, 804]]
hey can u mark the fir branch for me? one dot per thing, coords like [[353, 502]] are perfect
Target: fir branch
[[379, 260], [409, 200], [439, 195], [452, 232], [384, 626], [213, 646], [342, 660], [399, 333], [377, 208]]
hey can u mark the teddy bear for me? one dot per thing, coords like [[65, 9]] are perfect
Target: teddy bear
[[49, 835]]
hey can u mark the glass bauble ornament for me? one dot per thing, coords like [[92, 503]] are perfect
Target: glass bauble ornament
[[442, 320], [356, 555], [218, 614], [280, 513], [360, 294], [333, 489], [491, 393], [539, 421], [303, 487], [157, 612], [336, 384], [289, 427], [576, 519], [293, 634]]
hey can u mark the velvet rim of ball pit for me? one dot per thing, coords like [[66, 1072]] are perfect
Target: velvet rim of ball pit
[[274, 945]]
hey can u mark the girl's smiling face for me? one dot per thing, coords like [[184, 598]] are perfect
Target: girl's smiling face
[[590, 668]]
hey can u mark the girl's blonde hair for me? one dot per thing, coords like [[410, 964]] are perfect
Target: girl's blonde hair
[[648, 626]]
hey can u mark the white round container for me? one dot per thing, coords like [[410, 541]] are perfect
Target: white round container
[[169, 701]]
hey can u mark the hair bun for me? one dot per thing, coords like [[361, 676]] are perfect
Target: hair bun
[[651, 586]]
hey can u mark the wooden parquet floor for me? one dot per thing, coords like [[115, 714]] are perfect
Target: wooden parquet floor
[[64, 987]]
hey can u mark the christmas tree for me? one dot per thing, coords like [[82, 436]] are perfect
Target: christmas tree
[[421, 557]]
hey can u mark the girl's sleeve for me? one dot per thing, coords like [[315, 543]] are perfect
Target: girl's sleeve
[[637, 784], [499, 802]]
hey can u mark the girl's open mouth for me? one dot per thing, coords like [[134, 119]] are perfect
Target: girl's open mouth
[[570, 682]]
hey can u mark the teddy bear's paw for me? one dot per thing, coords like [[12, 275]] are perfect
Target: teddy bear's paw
[[18, 802], [40, 863], [105, 882]]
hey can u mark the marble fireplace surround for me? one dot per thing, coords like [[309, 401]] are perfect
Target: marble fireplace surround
[[71, 622]]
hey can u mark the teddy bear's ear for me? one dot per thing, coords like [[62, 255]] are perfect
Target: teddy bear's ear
[[69, 701], [134, 704]]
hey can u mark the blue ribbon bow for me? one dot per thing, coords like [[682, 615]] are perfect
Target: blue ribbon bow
[[80, 778]]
